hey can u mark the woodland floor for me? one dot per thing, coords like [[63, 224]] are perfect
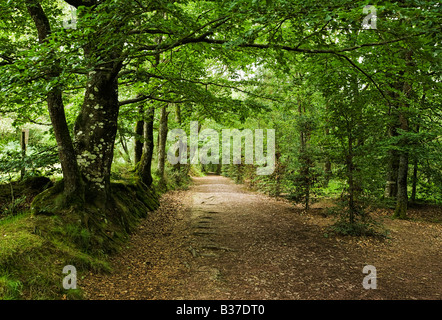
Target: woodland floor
[[219, 241]]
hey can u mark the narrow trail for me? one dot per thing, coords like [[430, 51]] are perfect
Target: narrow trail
[[220, 241]]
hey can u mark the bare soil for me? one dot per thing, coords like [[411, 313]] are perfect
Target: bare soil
[[218, 240]]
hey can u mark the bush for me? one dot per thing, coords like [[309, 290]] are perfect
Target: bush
[[363, 224], [369, 228]]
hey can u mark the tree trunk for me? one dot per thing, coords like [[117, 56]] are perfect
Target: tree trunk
[[162, 137], [145, 167], [402, 181], [71, 175], [304, 158], [402, 194], [392, 173], [393, 154], [177, 166], [414, 181], [73, 185], [126, 154], [351, 182], [89, 158], [402, 197], [95, 130], [393, 164], [327, 171], [139, 128], [178, 113], [416, 162]]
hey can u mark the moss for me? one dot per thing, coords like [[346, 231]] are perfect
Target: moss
[[36, 245], [400, 211], [49, 201], [33, 252], [132, 203], [10, 289]]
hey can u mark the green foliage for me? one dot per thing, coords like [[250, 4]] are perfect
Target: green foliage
[[39, 159]]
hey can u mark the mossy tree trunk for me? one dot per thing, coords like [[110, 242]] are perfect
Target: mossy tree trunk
[[95, 130], [139, 128], [145, 166], [402, 181], [162, 137]]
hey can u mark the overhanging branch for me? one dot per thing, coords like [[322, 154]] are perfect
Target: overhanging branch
[[204, 39], [365, 74], [149, 97]]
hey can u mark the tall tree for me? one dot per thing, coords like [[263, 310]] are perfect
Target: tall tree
[[73, 186]]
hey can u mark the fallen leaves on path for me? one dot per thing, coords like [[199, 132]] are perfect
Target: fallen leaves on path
[[220, 241]]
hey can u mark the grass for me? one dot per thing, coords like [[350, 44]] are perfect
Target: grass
[[33, 252], [9, 289]]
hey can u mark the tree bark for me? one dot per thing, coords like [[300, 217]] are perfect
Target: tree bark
[[392, 173], [126, 154], [393, 154], [162, 137], [139, 129], [402, 182], [415, 169], [393, 160], [414, 181], [145, 166], [351, 182], [402, 196], [402, 193], [95, 131]]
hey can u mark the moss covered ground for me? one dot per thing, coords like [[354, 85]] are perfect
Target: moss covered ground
[[35, 245]]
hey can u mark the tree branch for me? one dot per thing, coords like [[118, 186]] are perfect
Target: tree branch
[[148, 31], [365, 74], [146, 97], [79, 3], [203, 39], [8, 60], [204, 83]]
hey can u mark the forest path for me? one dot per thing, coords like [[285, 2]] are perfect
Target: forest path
[[219, 241]]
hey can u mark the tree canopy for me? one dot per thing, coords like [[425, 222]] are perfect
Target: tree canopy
[[352, 91]]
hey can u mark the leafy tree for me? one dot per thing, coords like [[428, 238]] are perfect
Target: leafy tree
[[122, 60]]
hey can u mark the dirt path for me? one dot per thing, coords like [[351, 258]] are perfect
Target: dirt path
[[219, 241]]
